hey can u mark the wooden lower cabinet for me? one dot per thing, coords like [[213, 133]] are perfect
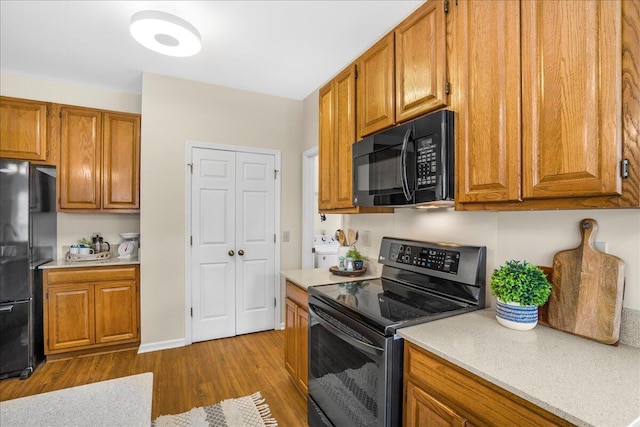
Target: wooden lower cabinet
[[91, 309], [439, 393], [296, 338]]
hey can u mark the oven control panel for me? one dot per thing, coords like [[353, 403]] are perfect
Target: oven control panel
[[446, 261]]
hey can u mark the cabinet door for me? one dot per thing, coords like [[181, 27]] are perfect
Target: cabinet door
[[116, 309], [303, 349], [375, 88], [423, 410], [345, 134], [23, 129], [571, 65], [421, 62], [70, 314], [290, 337], [80, 158], [326, 149], [487, 97], [121, 161]]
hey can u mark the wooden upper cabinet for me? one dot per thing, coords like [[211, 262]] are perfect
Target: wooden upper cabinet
[[421, 62], [326, 149], [544, 104], [80, 158], [375, 87], [487, 98], [99, 160], [345, 124], [572, 98], [23, 129], [121, 160]]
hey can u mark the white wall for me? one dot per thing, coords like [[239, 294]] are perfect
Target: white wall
[[533, 235], [175, 111], [72, 226]]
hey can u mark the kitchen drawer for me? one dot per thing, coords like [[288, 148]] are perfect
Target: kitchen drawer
[[90, 274], [297, 294]]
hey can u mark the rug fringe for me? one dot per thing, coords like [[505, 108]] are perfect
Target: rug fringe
[[263, 410]]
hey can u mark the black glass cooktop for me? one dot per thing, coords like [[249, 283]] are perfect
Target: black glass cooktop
[[386, 304]]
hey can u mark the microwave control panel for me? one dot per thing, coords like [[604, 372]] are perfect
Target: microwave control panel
[[425, 257], [426, 159]]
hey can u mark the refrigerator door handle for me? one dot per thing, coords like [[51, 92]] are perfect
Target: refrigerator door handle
[[6, 309]]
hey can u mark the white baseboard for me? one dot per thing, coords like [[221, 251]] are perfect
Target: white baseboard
[[282, 326], [161, 345]]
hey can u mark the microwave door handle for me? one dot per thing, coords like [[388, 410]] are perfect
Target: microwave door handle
[[403, 155], [367, 348]]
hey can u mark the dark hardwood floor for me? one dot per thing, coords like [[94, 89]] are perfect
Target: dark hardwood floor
[[196, 375]]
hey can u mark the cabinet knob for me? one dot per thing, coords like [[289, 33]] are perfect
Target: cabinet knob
[[240, 252], [231, 253]]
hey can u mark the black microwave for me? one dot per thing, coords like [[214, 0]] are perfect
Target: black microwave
[[410, 164]]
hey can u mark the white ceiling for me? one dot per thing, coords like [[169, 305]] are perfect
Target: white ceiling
[[282, 48]]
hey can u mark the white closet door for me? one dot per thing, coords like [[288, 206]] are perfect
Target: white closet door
[[213, 269], [233, 249], [255, 213]]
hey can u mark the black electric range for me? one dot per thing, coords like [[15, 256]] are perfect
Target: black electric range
[[355, 355], [421, 282]]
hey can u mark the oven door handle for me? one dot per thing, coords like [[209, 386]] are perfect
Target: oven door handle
[[367, 348]]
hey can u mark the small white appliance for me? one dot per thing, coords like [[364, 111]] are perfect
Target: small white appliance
[[325, 251], [129, 248]]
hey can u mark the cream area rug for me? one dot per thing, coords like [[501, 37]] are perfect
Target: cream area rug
[[124, 402], [248, 411]]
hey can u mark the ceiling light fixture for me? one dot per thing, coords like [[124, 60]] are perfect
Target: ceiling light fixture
[[165, 33]]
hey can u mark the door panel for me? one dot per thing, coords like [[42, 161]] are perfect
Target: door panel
[[571, 133], [116, 306], [488, 123], [255, 213], [213, 221], [233, 216]]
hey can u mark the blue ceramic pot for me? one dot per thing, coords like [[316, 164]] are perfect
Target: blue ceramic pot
[[516, 316]]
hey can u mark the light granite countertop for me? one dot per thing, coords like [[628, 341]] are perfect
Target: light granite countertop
[[113, 261], [582, 381], [321, 276]]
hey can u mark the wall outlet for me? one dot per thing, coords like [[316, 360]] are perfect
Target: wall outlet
[[366, 238], [285, 236], [601, 246]]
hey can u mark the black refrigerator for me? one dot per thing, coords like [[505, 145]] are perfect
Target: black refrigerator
[[27, 240]]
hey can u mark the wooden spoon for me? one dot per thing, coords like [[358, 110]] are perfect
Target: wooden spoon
[[341, 237]]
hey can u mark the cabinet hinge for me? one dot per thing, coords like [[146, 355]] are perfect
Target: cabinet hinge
[[275, 173], [447, 88], [190, 240], [191, 311], [47, 296], [355, 72], [60, 114], [274, 301], [446, 6], [625, 168], [190, 167], [274, 237]]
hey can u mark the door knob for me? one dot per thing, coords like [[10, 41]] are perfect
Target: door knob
[[231, 253], [240, 252]]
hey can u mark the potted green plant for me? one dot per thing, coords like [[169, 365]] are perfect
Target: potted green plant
[[358, 258], [520, 288]]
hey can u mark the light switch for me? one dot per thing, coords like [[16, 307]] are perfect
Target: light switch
[[366, 238]]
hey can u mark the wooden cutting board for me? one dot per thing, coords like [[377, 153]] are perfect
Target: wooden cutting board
[[588, 285]]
